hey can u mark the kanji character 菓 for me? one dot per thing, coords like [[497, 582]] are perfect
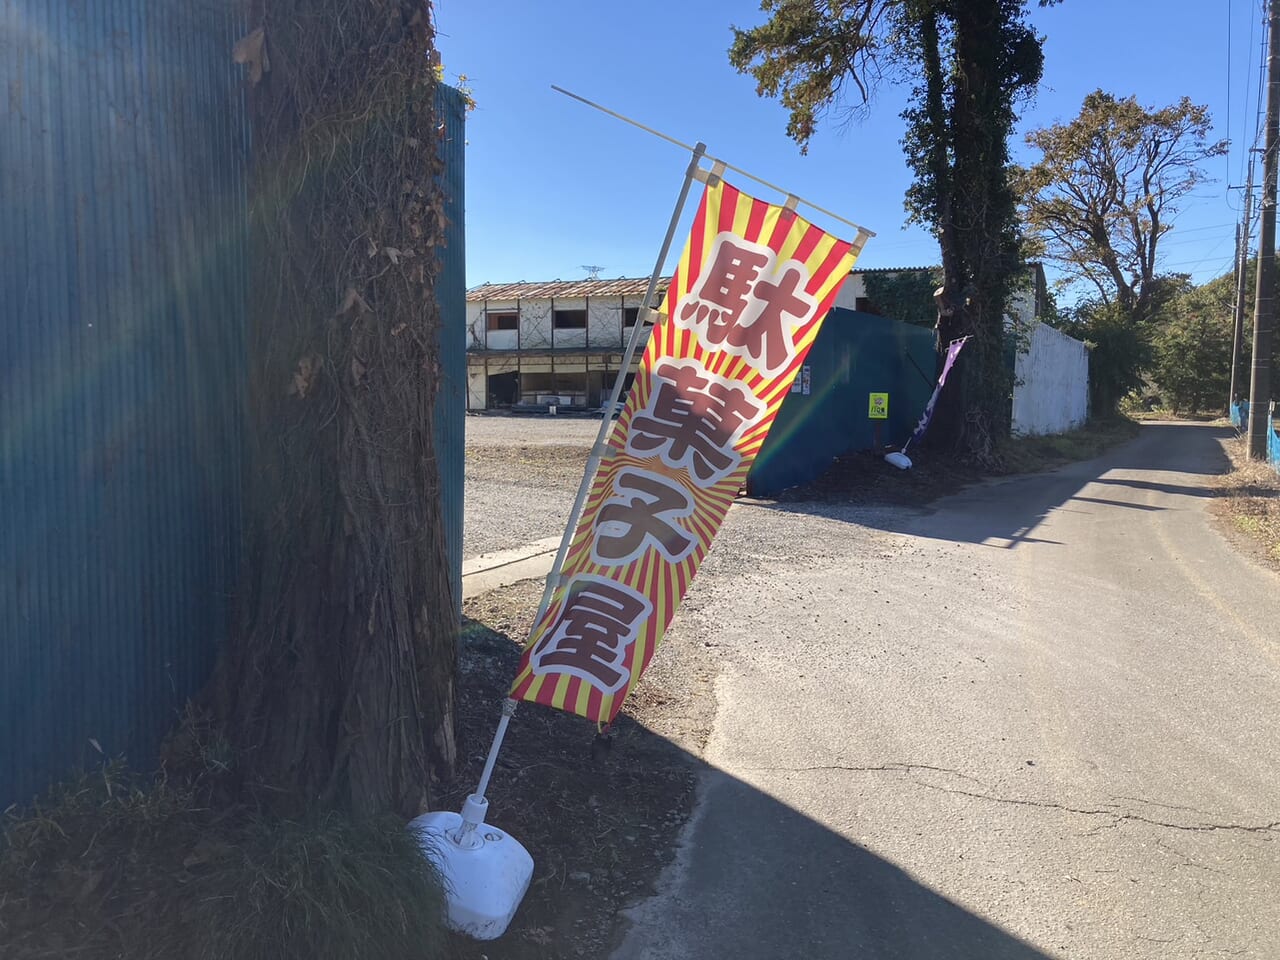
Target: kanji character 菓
[[693, 418]]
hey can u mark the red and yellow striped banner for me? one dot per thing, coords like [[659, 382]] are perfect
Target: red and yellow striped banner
[[744, 306]]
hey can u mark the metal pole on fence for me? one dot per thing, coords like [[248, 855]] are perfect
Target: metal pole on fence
[[1265, 309]]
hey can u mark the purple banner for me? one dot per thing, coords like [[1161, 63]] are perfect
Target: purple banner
[[953, 351]]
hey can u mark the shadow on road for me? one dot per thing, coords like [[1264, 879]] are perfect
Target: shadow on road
[[757, 879], [1005, 513]]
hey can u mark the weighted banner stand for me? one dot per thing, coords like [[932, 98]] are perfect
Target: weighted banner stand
[[486, 871]]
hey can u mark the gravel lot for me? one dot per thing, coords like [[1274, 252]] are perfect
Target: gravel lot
[[522, 474]]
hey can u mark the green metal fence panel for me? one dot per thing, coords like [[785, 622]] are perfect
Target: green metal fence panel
[[855, 354]]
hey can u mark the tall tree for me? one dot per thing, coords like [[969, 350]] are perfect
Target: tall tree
[[338, 686], [1106, 189], [1192, 367], [971, 61]]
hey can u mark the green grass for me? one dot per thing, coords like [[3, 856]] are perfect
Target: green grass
[[1029, 454], [108, 867]]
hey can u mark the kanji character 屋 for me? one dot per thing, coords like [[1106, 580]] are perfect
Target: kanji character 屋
[[693, 419], [600, 619], [644, 512]]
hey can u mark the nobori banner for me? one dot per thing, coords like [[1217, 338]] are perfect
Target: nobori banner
[[744, 306]]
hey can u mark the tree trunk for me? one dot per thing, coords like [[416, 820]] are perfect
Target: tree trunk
[[338, 686], [978, 244]]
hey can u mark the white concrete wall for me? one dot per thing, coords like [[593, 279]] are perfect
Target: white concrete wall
[[479, 336], [477, 387], [475, 325], [1051, 394], [604, 321], [535, 324], [853, 288]]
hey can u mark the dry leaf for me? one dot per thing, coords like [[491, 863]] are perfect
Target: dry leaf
[[357, 370], [371, 247], [393, 255], [351, 300], [303, 378], [252, 50], [398, 329]]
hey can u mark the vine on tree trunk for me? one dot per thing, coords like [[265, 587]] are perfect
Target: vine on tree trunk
[[338, 685]]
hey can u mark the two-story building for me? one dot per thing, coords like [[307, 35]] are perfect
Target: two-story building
[[560, 343]]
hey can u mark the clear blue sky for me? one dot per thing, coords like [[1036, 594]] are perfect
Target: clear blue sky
[[553, 185]]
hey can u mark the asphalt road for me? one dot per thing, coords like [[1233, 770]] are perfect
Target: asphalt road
[[1041, 719]]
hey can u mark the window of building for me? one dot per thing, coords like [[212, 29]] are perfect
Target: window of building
[[502, 321], [864, 305], [630, 316], [570, 320]]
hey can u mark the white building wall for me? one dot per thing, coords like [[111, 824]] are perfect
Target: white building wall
[[1051, 393], [477, 387], [604, 321], [568, 339], [499, 339], [475, 325], [535, 324], [853, 288]]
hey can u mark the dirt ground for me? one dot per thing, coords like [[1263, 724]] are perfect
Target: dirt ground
[[1250, 504]]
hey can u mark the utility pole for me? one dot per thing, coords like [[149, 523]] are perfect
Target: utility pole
[[1265, 306], [1238, 374], [1238, 311]]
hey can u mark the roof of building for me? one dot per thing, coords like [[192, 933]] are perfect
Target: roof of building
[[545, 290], [622, 287]]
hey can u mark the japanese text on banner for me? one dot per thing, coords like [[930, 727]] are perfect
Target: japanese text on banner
[[744, 306]]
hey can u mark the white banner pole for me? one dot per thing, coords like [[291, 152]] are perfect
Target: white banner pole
[[476, 803], [863, 231]]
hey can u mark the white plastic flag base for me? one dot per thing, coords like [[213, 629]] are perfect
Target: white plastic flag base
[[899, 460], [486, 871]]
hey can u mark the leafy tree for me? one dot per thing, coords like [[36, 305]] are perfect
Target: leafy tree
[[1119, 351], [1192, 343], [1193, 353], [906, 295], [1106, 189], [970, 61]]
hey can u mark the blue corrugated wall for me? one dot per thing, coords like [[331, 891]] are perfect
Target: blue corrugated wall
[[122, 285], [451, 292], [1240, 418], [854, 355]]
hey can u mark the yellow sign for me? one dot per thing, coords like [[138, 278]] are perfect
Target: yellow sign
[[879, 408]]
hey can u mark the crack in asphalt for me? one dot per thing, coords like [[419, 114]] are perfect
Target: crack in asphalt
[[1118, 816]]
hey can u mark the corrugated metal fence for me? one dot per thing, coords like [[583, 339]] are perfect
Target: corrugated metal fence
[[122, 285], [122, 188], [1240, 418], [451, 292], [1051, 383], [826, 413]]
